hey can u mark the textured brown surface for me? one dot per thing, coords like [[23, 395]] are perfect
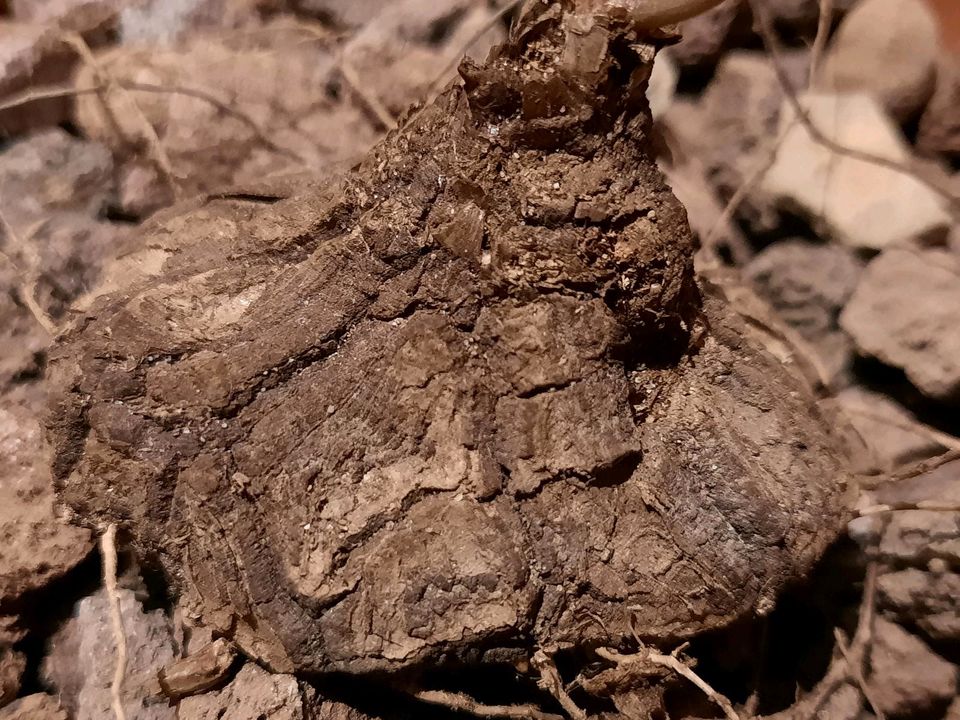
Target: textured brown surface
[[462, 401]]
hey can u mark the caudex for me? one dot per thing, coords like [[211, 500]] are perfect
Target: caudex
[[465, 404]]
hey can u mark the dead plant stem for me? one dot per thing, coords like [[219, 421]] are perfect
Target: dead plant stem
[[463, 703], [824, 21], [148, 133], [28, 290], [649, 655], [108, 551]]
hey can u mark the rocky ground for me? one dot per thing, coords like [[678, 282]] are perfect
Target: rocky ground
[[114, 110]]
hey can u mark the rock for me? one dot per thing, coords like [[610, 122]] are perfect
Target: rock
[[908, 678], [346, 14], [12, 665], [953, 712], [731, 129], [843, 704], [939, 128], [253, 694], [81, 657], [948, 12], [32, 55], [916, 536], [142, 190], [35, 547], [662, 84], [38, 706], [808, 284], [93, 19], [928, 600], [891, 434], [903, 312], [857, 202], [706, 36], [165, 23], [24, 340], [887, 49], [70, 248], [51, 170]]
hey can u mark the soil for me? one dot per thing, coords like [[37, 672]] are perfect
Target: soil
[[449, 429]]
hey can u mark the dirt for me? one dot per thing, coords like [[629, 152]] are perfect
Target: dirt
[[392, 430]]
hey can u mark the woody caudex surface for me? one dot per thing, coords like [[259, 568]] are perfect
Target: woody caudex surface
[[463, 402]]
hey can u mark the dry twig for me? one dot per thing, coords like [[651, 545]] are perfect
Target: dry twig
[[45, 93], [824, 21], [648, 655], [350, 77], [224, 107], [839, 670], [55, 91], [551, 682], [462, 703], [928, 505], [733, 204], [943, 439], [855, 666], [28, 291], [148, 132], [772, 44], [108, 550]]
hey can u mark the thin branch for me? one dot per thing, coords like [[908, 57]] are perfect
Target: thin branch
[[855, 666], [941, 438], [55, 91], [28, 291], [45, 93], [733, 204], [772, 43], [839, 670], [108, 550], [551, 682], [918, 467], [648, 655], [226, 108], [383, 116], [148, 132], [926, 505], [824, 21], [463, 703]]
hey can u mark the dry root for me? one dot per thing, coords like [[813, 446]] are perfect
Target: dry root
[[108, 550], [463, 703]]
